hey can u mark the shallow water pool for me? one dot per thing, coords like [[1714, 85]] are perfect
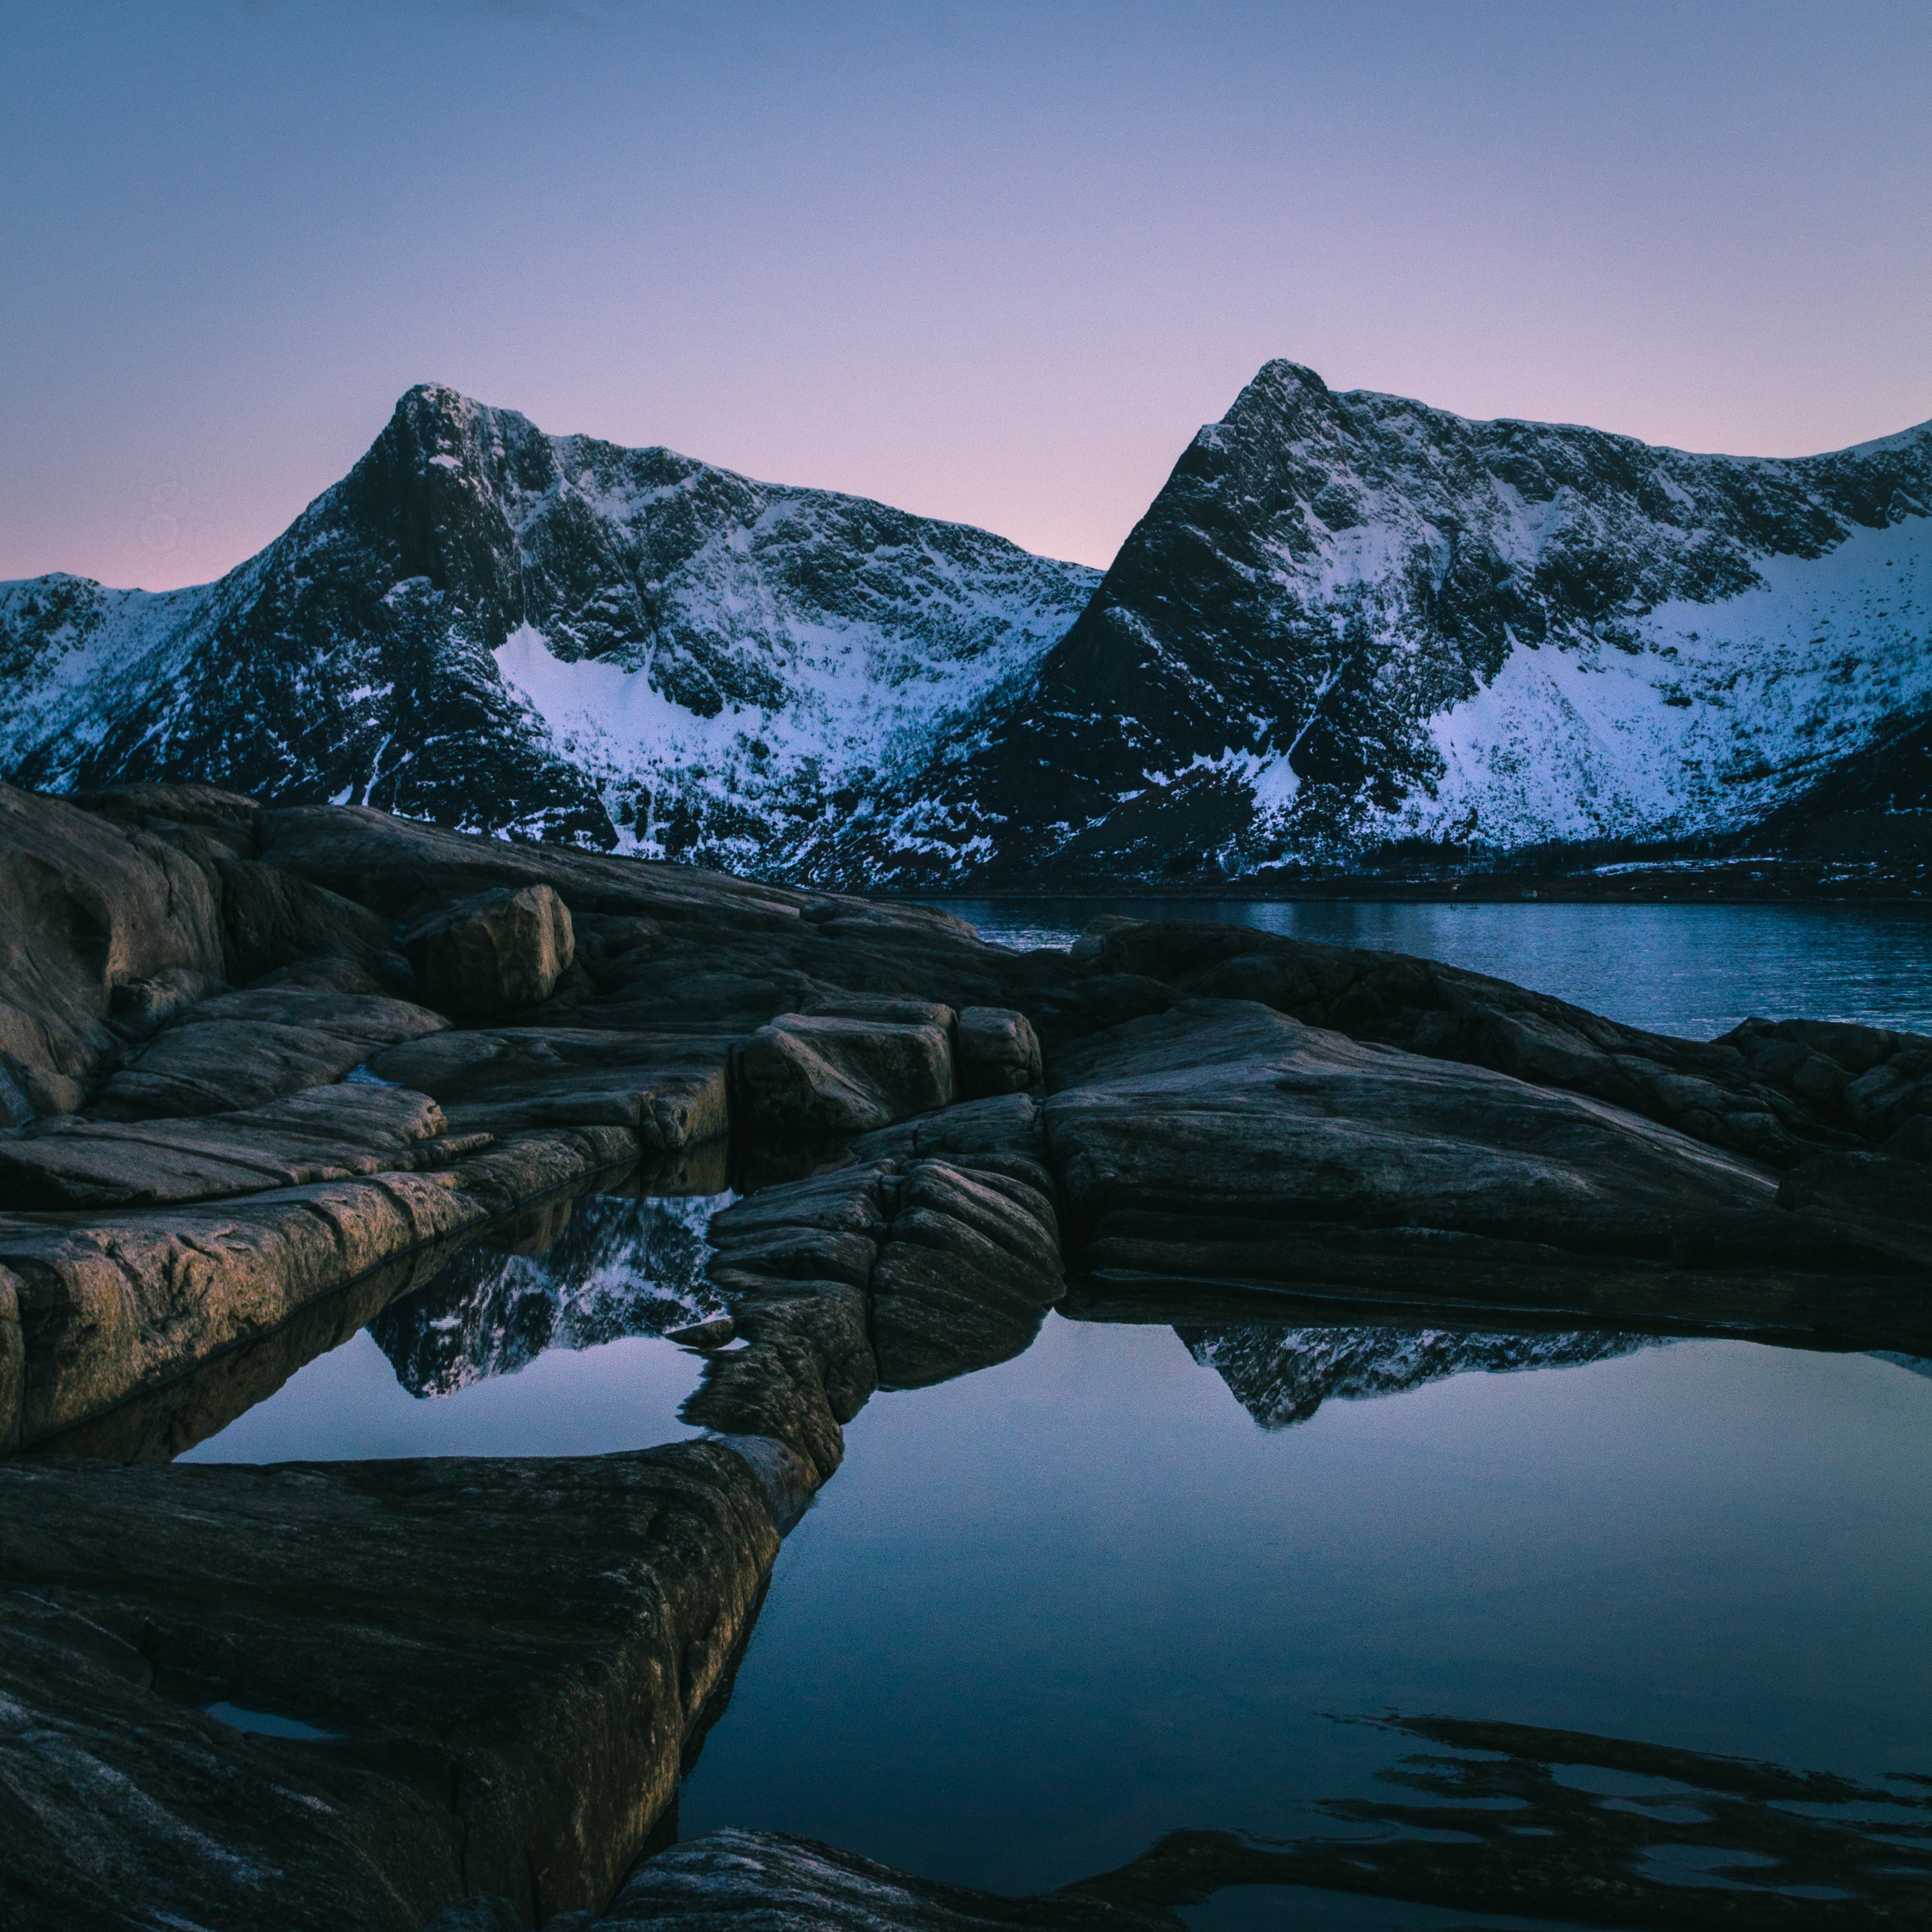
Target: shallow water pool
[[1050, 1612]]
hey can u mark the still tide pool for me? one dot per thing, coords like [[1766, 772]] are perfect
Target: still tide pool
[[1694, 971], [1048, 1613]]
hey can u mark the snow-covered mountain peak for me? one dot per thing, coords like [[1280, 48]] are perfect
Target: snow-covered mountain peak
[[1349, 624], [1350, 621], [551, 636]]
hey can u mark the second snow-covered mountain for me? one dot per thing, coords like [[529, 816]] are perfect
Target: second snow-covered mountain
[[1348, 626]]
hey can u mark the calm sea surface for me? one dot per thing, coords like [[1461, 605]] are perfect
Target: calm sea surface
[[1693, 970], [1047, 1612]]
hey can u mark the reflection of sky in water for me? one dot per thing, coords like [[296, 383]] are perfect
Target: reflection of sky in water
[[551, 1353], [1047, 1613], [1693, 970], [349, 1405], [1272, 1908]]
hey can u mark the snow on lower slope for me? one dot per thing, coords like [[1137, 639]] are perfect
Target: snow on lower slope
[[1725, 709], [549, 637]]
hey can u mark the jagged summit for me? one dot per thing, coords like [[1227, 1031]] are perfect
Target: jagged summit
[[1349, 620], [1349, 624], [554, 636]]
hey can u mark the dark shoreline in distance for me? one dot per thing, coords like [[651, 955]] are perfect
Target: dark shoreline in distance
[[1740, 883]]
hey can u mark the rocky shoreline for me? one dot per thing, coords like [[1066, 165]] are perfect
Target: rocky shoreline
[[264, 1071]]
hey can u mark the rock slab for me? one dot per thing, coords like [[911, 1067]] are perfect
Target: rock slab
[[449, 1677], [495, 953]]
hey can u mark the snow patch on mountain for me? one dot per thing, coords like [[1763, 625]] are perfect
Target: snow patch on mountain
[[1714, 714]]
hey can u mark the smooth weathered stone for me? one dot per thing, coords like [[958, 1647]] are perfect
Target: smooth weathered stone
[[226, 818], [272, 919], [1711, 1091], [160, 1423], [1860, 1187], [89, 908], [496, 953], [326, 1133], [139, 1007], [669, 1088], [824, 1078], [1002, 1135], [998, 1050], [794, 1261], [1911, 1142], [804, 1251], [894, 1009], [502, 1660], [245, 1049], [968, 1270], [775, 1387], [1225, 1144], [742, 1881]]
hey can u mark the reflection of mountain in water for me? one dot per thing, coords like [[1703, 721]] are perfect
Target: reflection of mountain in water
[[1281, 1375], [618, 1267]]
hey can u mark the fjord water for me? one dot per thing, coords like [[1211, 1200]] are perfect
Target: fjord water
[[1694, 971], [1051, 1611]]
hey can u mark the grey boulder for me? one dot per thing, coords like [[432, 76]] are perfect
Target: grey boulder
[[999, 1052], [824, 1076], [495, 953]]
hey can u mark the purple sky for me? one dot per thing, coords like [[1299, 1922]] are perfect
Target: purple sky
[[989, 262]]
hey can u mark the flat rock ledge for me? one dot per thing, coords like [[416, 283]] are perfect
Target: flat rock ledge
[[330, 1697]]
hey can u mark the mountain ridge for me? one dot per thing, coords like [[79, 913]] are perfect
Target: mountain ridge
[[1349, 624]]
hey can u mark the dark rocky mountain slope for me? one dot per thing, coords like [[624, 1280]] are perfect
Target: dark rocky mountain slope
[[549, 637], [1350, 627], [1350, 623]]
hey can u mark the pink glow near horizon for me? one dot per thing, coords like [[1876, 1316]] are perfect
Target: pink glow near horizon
[[991, 263]]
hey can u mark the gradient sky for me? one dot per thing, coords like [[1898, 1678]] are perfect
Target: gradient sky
[[990, 262]]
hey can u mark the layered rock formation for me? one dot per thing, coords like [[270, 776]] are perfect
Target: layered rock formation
[[213, 1169]]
